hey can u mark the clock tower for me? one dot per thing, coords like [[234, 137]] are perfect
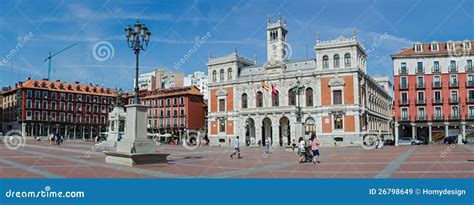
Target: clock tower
[[277, 47]]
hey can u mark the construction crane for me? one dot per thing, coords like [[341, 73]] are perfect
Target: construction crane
[[50, 56]]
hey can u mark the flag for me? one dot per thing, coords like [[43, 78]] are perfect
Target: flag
[[265, 86], [275, 91]]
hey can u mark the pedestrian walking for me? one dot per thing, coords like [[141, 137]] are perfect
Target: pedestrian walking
[[301, 149], [51, 139], [236, 148], [293, 145], [267, 146], [315, 148]]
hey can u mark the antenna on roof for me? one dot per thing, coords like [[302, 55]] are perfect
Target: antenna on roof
[[306, 47], [354, 33]]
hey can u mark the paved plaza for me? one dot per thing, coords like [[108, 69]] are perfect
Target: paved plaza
[[83, 160]]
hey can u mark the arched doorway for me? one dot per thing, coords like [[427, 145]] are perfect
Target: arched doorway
[[250, 132], [267, 130], [285, 137]]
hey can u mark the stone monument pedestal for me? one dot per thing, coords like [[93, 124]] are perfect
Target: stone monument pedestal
[[135, 148]]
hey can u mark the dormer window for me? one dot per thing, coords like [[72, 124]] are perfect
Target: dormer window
[[434, 47], [418, 47], [450, 46], [466, 45]]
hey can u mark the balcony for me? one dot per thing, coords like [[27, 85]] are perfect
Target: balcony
[[436, 85], [469, 68], [404, 102], [420, 85], [470, 100], [454, 117], [454, 100], [470, 83], [470, 117], [421, 118], [435, 69], [402, 71], [420, 70], [437, 117], [437, 101], [404, 118], [403, 86], [453, 69], [420, 101], [454, 84]]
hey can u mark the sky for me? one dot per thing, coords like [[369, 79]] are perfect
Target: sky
[[184, 33]]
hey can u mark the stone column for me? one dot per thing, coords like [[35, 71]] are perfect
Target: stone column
[[413, 131], [74, 131], [396, 133], [90, 133], [83, 133], [23, 129], [65, 132], [446, 129], [430, 133], [275, 134], [462, 134]]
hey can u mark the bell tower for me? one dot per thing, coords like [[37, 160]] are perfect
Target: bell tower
[[277, 47]]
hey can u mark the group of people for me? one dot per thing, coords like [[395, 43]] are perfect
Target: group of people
[[55, 139], [305, 153], [310, 152]]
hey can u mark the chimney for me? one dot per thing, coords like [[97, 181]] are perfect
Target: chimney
[[20, 83], [45, 79], [29, 78], [77, 82], [58, 81]]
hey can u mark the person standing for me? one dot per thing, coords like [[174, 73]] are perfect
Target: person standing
[[301, 149], [236, 148], [267, 146], [315, 148], [51, 139]]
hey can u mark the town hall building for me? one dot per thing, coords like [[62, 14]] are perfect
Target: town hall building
[[331, 96]]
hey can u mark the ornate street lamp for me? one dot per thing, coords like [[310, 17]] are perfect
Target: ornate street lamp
[[299, 90], [137, 39]]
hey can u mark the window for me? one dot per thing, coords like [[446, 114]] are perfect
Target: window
[[37, 104], [310, 127], [470, 95], [292, 97], [347, 59], [338, 124], [79, 118], [229, 74], [454, 79], [419, 67], [325, 62], [69, 117], [436, 66], [336, 97], [452, 65], [309, 97], [437, 80], [221, 105], [162, 113], [175, 101], [222, 75], [182, 112], [404, 82], [70, 97], [421, 96], [45, 94], [221, 125], [434, 47], [336, 61], [102, 108], [45, 116], [404, 113], [168, 102], [175, 112], [28, 104], [37, 94], [79, 98], [96, 119], [182, 100], [469, 65], [275, 100], [403, 67], [54, 96], [421, 113], [437, 96], [244, 100], [259, 99], [420, 81], [53, 105], [418, 47], [102, 119], [455, 111], [214, 76], [29, 94], [438, 112], [404, 97], [471, 112], [168, 112]]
